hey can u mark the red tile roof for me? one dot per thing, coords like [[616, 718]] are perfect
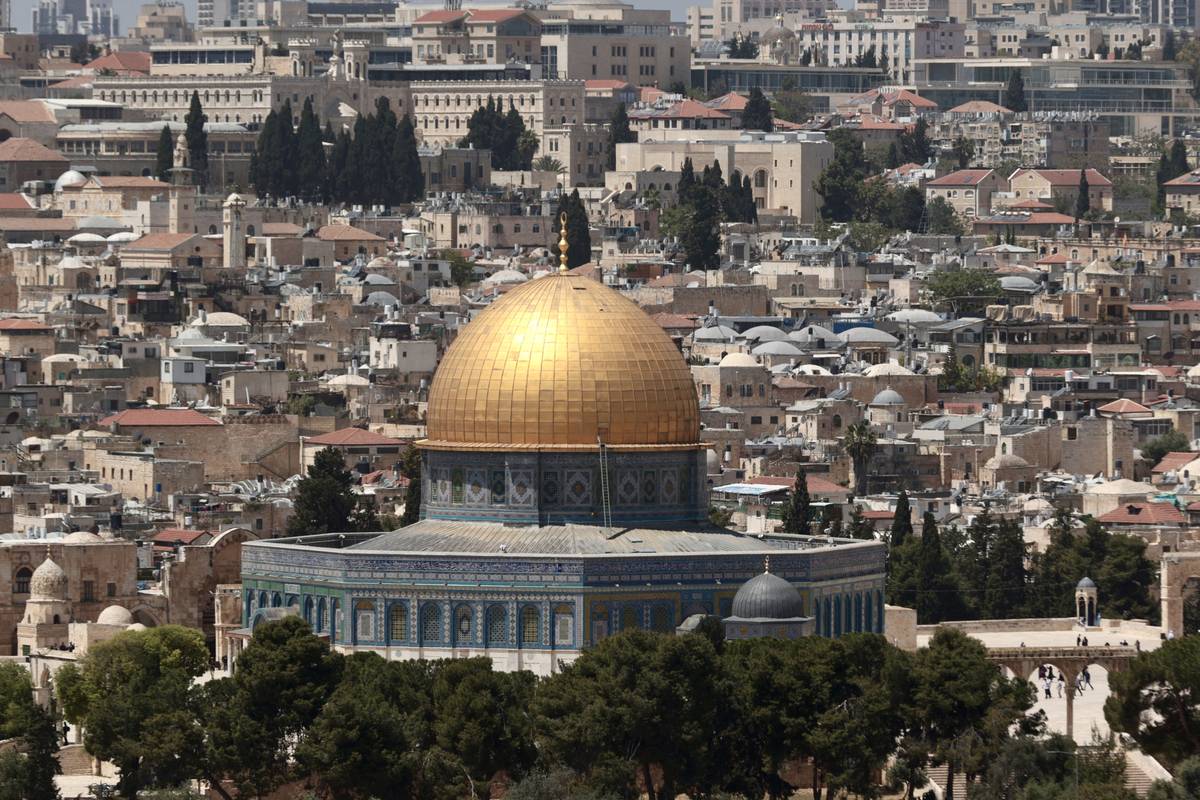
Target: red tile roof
[[606, 83], [1174, 460], [1144, 514], [11, 201], [122, 62], [1124, 406], [962, 177], [160, 241], [731, 101], [23, 325], [872, 514], [440, 16], [495, 15], [26, 111], [685, 109], [1068, 178], [158, 418], [19, 149], [177, 536], [979, 107], [352, 437], [668, 321], [346, 233], [816, 484]]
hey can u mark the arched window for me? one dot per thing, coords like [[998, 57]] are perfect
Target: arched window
[[322, 616], [760, 179], [868, 615], [660, 619], [364, 620], [858, 613], [308, 611], [564, 625], [463, 619], [531, 632], [21, 580], [276, 600], [837, 420], [431, 623], [497, 625], [398, 623], [629, 619], [837, 616], [849, 622]]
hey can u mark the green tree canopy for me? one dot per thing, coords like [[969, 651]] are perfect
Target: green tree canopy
[[797, 509], [579, 235], [1173, 441], [1014, 93], [164, 155], [1157, 701], [966, 291], [619, 132], [197, 141], [757, 115], [325, 497]]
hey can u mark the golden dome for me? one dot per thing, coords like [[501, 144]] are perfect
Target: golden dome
[[553, 364]]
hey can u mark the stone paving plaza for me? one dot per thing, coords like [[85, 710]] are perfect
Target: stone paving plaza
[[1089, 707]]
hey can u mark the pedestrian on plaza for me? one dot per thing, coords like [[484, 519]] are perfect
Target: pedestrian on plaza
[[1050, 672], [1077, 640], [1062, 682], [1046, 687], [1137, 645], [1041, 672], [1087, 678], [1085, 641], [1079, 684]]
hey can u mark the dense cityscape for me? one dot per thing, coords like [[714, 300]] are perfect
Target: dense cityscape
[[581, 400]]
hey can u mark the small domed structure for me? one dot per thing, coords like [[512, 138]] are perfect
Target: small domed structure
[[886, 369], [115, 615], [777, 348], [888, 397], [738, 360], [764, 333], [48, 582], [81, 537], [768, 596], [71, 179], [715, 333], [505, 276], [1086, 583]]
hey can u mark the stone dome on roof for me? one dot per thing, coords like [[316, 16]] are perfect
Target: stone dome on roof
[[557, 364], [72, 262], [812, 369], [225, 319], [812, 334], [1006, 461], [1086, 583], [123, 237], [777, 32], [115, 615], [738, 360], [69, 179], [504, 276], [715, 333], [137, 626], [48, 582], [99, 221], [914, 316], [87, 238], [375, 279], [381, 299], [379, 262], [888, 397], [888, 368], [81, 537], [1018, 283], [767, 596], [784, 348], [764, 333], [864, 335], [1121, 486]]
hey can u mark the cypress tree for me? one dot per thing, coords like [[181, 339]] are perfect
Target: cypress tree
[[797, 513], [1014, 93], [283, 180], [265, 165], [936, 588], [410, 468], [901, 522], [702, 239], [1083, 202], [579, 237], [409, 183], [618, 133], [511, 127], [164, 156], [687, 180], [197, 141], [310, 155], [1004, 597], [338, 164], [748, 199], [1179, 159]]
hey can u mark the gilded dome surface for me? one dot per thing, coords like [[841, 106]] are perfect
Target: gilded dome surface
[[553, 364]]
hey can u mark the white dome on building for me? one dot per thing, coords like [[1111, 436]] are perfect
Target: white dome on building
[[715, 333], [888, 397], [886, 369], [224, 319], [864, 335], [764, 333], [784, 348], [738, 360], [49, 582], [115, 615], [504, 276], [914, 316], [70, 179], [812, 369], [81, 537]]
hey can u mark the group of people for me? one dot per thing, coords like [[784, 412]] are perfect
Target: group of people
[[1048, 680]]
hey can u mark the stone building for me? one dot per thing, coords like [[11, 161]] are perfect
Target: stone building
[[564, 500]]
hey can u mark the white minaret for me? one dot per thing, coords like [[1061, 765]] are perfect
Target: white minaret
[[234, 230]]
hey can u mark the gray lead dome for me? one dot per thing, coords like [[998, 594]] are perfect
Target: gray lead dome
[[767, 596]]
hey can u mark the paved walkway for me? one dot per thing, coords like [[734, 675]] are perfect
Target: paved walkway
[[1089, 706]]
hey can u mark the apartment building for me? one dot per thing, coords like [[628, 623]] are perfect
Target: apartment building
[[615, 42], [1043, 139], [490, 36], [968, 191], [896, 41]]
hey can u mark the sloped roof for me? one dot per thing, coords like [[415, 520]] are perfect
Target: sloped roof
[[1124, 406], [159, 418], [23, 325], [1065, 177], [20, 149], [440, 16], [346, 233], [122, 62], [352, 437], [962, 177], [1174, 460], [26, 111], [979, 107], [161, 241], [128, 182], [12, 201], [1144, 514]]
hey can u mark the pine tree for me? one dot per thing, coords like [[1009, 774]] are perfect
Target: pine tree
[[797, 511], [859, 527], [687, 181], [310, 155], [937, 593], [748, 200], [757, 114], [283, 181], [197, 141], [1014, 93], [1004, 597], [164, 156], [324, 497], [409, 183], [1082, 201], [618, 133], [1178, 159]]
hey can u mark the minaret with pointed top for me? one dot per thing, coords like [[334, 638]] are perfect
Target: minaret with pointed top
[[563, 245]]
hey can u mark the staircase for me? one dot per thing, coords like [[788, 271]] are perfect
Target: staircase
[[937, 782], [75, 760], [1141, 771]]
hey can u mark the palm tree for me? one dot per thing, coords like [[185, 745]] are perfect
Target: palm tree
[[860, 444], [548, 164]]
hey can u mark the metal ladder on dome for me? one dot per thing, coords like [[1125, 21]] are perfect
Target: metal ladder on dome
[[605, 501]]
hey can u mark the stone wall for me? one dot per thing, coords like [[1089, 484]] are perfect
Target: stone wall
[[242, 448], [900, 626]]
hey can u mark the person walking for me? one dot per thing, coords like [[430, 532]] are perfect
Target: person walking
[[1078, 639], [1041, 672], [1087, 678], [1062, 682], [1046, 687]]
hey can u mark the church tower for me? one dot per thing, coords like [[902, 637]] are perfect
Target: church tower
[[234, 232]]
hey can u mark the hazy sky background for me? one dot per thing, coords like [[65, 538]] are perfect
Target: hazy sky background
[[127, 10]]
